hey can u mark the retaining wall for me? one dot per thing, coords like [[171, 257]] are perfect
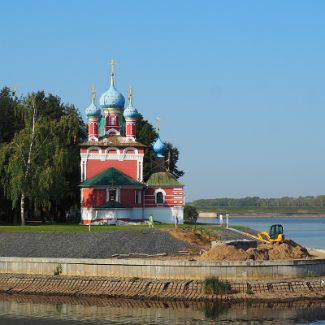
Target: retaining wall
[[165, 269]]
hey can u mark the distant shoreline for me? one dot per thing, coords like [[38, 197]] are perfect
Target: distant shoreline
[[211, 215]]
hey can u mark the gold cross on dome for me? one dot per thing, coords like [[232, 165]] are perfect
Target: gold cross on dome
[[130, 94], [158, 123], [113, 62], [93, 93]]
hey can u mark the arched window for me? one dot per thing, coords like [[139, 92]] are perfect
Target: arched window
[[160, 198]]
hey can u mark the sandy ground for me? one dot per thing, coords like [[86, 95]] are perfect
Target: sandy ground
[[317, 253]]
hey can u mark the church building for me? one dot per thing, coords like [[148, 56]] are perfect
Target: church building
[[112, 185]]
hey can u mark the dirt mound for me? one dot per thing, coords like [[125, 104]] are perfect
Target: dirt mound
[[190, 236], [281, 251], [264, 251], [224, 252]]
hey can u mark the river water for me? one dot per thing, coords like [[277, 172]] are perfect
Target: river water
[[27, 310], [46, 310]]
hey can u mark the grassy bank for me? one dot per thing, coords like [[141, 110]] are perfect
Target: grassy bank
[[83, 228]]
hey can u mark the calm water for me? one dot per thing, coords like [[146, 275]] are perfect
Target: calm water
[[309, 232], [17, 310]]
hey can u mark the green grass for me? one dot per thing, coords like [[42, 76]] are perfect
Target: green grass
[[68, 228], [84, 228], [214, 285]]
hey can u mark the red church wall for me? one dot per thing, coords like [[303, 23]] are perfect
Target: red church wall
[[128, 167], [128, 198], [93, 197], [170, 198], [93, 129], [130, 129]]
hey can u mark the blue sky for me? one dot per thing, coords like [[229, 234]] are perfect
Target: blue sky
[[239, 85]]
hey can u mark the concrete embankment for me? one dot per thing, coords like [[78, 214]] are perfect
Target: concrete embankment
[[165, 269], [154, 289]]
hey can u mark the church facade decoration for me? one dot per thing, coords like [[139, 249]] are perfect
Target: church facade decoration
[[112, 186]]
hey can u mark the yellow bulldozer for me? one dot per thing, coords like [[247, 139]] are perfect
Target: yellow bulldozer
[[275, 234]]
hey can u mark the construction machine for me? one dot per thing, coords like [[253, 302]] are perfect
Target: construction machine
[[275, 234]]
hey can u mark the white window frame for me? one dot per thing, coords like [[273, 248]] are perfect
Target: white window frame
[[160, 190]]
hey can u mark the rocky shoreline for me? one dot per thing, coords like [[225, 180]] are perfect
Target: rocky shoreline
[[135, 288]]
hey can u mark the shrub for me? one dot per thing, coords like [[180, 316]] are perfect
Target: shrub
[[190, 214], [58, 269], [213, 285]]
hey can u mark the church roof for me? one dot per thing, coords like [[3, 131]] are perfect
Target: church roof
[[112, 205], [111, 177], [163, 179], [114, 141]]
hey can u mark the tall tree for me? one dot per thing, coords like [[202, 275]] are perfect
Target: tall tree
[[42, 160], [9, 124]]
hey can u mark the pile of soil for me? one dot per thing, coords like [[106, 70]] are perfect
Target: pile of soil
[[190, 236], [279, 251], [264, 251], [224, 252]]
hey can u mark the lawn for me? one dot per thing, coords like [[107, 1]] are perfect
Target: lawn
[[83, 228]]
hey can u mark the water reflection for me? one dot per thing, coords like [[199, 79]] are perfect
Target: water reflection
[[16, 310]]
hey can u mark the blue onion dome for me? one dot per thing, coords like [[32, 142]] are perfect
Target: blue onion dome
[[130, 113], [111, 98], [159, 147], [92, 109]]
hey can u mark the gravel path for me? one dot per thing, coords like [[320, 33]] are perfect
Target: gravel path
[[89, 245]]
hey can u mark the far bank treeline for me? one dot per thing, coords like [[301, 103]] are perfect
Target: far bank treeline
[[39, 156], [283, 204]]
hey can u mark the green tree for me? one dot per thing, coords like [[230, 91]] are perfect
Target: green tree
[[9, 121], [190, 214], [172, 154], [42, 160], [146, 134], [9, 124]]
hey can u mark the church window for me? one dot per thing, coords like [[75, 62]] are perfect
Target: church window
[[160, 198], [113, 119], [112, 195], [138, 197]]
